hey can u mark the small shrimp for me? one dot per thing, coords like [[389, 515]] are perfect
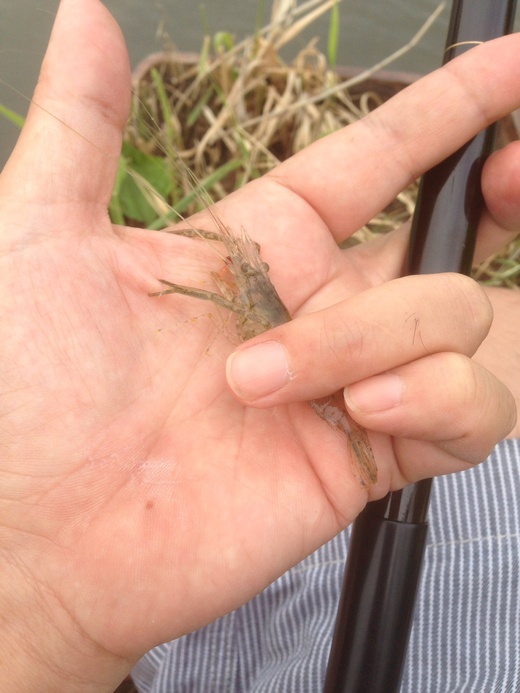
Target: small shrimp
[[248, 292]]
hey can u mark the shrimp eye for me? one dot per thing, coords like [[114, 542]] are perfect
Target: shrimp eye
[[247, 269]]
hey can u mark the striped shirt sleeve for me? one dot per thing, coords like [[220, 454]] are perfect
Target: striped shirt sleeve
[[466, 631]]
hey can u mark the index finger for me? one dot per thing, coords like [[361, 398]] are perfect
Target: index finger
[[349, 176]]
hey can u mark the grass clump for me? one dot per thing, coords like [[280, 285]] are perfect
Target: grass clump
[[229, 115], [235, 111], [204, 125]]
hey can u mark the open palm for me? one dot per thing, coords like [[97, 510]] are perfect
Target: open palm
[[144, 495]]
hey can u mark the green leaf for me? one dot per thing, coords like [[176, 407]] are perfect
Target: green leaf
[[223, 42], [115, 209], [135, 191]]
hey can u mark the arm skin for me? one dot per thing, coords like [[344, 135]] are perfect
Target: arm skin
[[140, 499]]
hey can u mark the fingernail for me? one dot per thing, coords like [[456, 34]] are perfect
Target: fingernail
[[258, 370], [378, 393]]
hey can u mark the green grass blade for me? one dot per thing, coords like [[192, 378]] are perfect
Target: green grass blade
[[11, 116], [333, 37], [198, 192], [165, 105]]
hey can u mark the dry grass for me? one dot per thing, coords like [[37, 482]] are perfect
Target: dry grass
[[236, 112]]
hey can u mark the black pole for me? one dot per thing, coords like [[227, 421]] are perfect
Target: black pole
[[388, 538]]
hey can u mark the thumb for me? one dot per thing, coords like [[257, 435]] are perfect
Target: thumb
[[69, 148]]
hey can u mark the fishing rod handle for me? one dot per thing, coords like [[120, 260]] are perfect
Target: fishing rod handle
[[389, 537]]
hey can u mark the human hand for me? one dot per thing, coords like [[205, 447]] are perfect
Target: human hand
[[140, 499], [499, 353]]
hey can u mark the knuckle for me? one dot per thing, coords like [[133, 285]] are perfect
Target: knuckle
[[341, 341], [461, 378], [481, 406]]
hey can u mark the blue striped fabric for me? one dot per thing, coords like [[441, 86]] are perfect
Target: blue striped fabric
[[466, 633]]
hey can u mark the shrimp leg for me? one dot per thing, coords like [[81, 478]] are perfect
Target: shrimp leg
[[215, 298]]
